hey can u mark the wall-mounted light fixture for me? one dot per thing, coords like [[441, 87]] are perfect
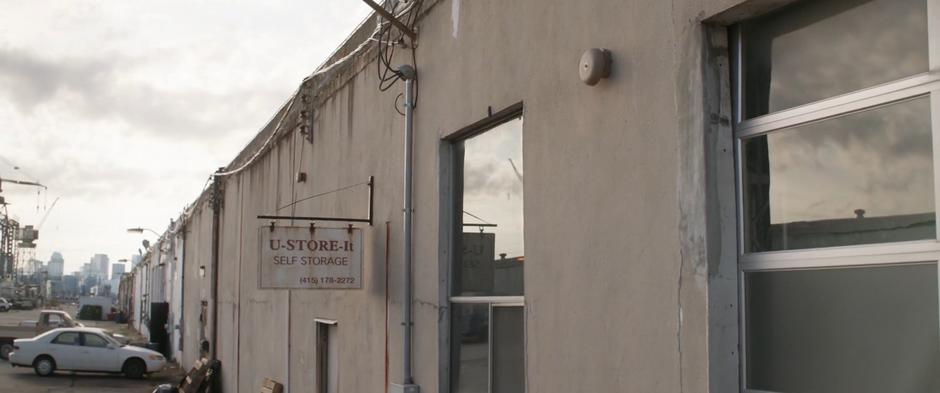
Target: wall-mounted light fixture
[[594, 66]]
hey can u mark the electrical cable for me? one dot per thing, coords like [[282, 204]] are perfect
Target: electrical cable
[[397, 98], [387, 74], [323, 71], [322, 194]]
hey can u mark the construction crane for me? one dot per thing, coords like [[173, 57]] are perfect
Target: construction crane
[[27, 235], [514, 169], [45, 216], [20, 182]]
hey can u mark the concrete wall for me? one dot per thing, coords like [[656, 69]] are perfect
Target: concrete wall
[[197, 240], [176, 300], [621, 244]]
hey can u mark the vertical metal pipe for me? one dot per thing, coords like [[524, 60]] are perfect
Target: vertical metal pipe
[[408, 73], [216, 202]]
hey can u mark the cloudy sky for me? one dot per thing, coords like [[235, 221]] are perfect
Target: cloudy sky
[[123, 108], [493, 189]]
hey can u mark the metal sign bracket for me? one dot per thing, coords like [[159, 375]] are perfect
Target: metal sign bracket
[[368, 220]]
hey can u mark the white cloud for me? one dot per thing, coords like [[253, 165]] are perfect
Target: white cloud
[[124, 107]]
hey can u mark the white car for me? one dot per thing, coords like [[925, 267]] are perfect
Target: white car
[[5, 305], [83, 349]]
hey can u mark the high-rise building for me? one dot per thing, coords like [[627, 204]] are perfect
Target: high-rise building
[[99, 265], [56, 265], [135, 259], [70, 286], [85, 270], [33, 266], [117, 269]]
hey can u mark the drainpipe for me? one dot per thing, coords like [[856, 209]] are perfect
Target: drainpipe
[[408, 73], [216, 213]]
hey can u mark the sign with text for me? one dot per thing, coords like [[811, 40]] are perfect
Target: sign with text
[[301, 258], [476, 268]]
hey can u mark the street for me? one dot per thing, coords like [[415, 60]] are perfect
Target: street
[[24, 380]]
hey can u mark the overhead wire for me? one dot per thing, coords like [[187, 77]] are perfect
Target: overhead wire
[[289, 105], [388, 40], [388, 76]]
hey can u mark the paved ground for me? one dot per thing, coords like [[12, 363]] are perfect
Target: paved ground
[[24, 380]]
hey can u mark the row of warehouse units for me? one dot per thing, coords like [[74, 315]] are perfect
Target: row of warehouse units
[[726, 195], [151, 297]]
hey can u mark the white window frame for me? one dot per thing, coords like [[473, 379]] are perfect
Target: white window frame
[[881, 254], [510, 114]]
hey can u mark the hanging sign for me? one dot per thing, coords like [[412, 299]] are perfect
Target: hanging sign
[[301, 258]]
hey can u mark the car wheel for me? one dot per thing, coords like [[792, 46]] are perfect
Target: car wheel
[[44, 366], [134, 368], [5, 350]]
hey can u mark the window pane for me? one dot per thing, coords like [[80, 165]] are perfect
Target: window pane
[[67, 339], [489, 214], [872, 329], [857, 179], [813, 50], [508, 350], [470, 348], [94, 340]]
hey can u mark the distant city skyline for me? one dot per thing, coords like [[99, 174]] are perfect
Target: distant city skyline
[[55, 265]]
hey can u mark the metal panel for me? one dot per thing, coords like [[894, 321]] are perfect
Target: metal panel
[[489, 349], [742, 333], [865, 260], [869, 98], [509, 300], [844, 251], [445, 261]]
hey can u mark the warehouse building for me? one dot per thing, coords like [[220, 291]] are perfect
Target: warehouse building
[[723, 195]]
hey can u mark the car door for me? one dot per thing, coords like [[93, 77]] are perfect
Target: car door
[[97, 355], [66, 350]]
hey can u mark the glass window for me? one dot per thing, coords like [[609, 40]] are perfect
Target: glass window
[[94, 340], [848, 179], [813, 50], [858, 179], [67, 338], [470, 353], [508, 350], [489, 190], [487, 318], [54, 320], [485, 356], [871, 329]]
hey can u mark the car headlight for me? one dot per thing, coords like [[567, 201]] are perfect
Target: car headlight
[[155, 357]]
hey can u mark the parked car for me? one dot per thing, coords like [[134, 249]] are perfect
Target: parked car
[[48, 320], [86, 350], [5, 305]]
